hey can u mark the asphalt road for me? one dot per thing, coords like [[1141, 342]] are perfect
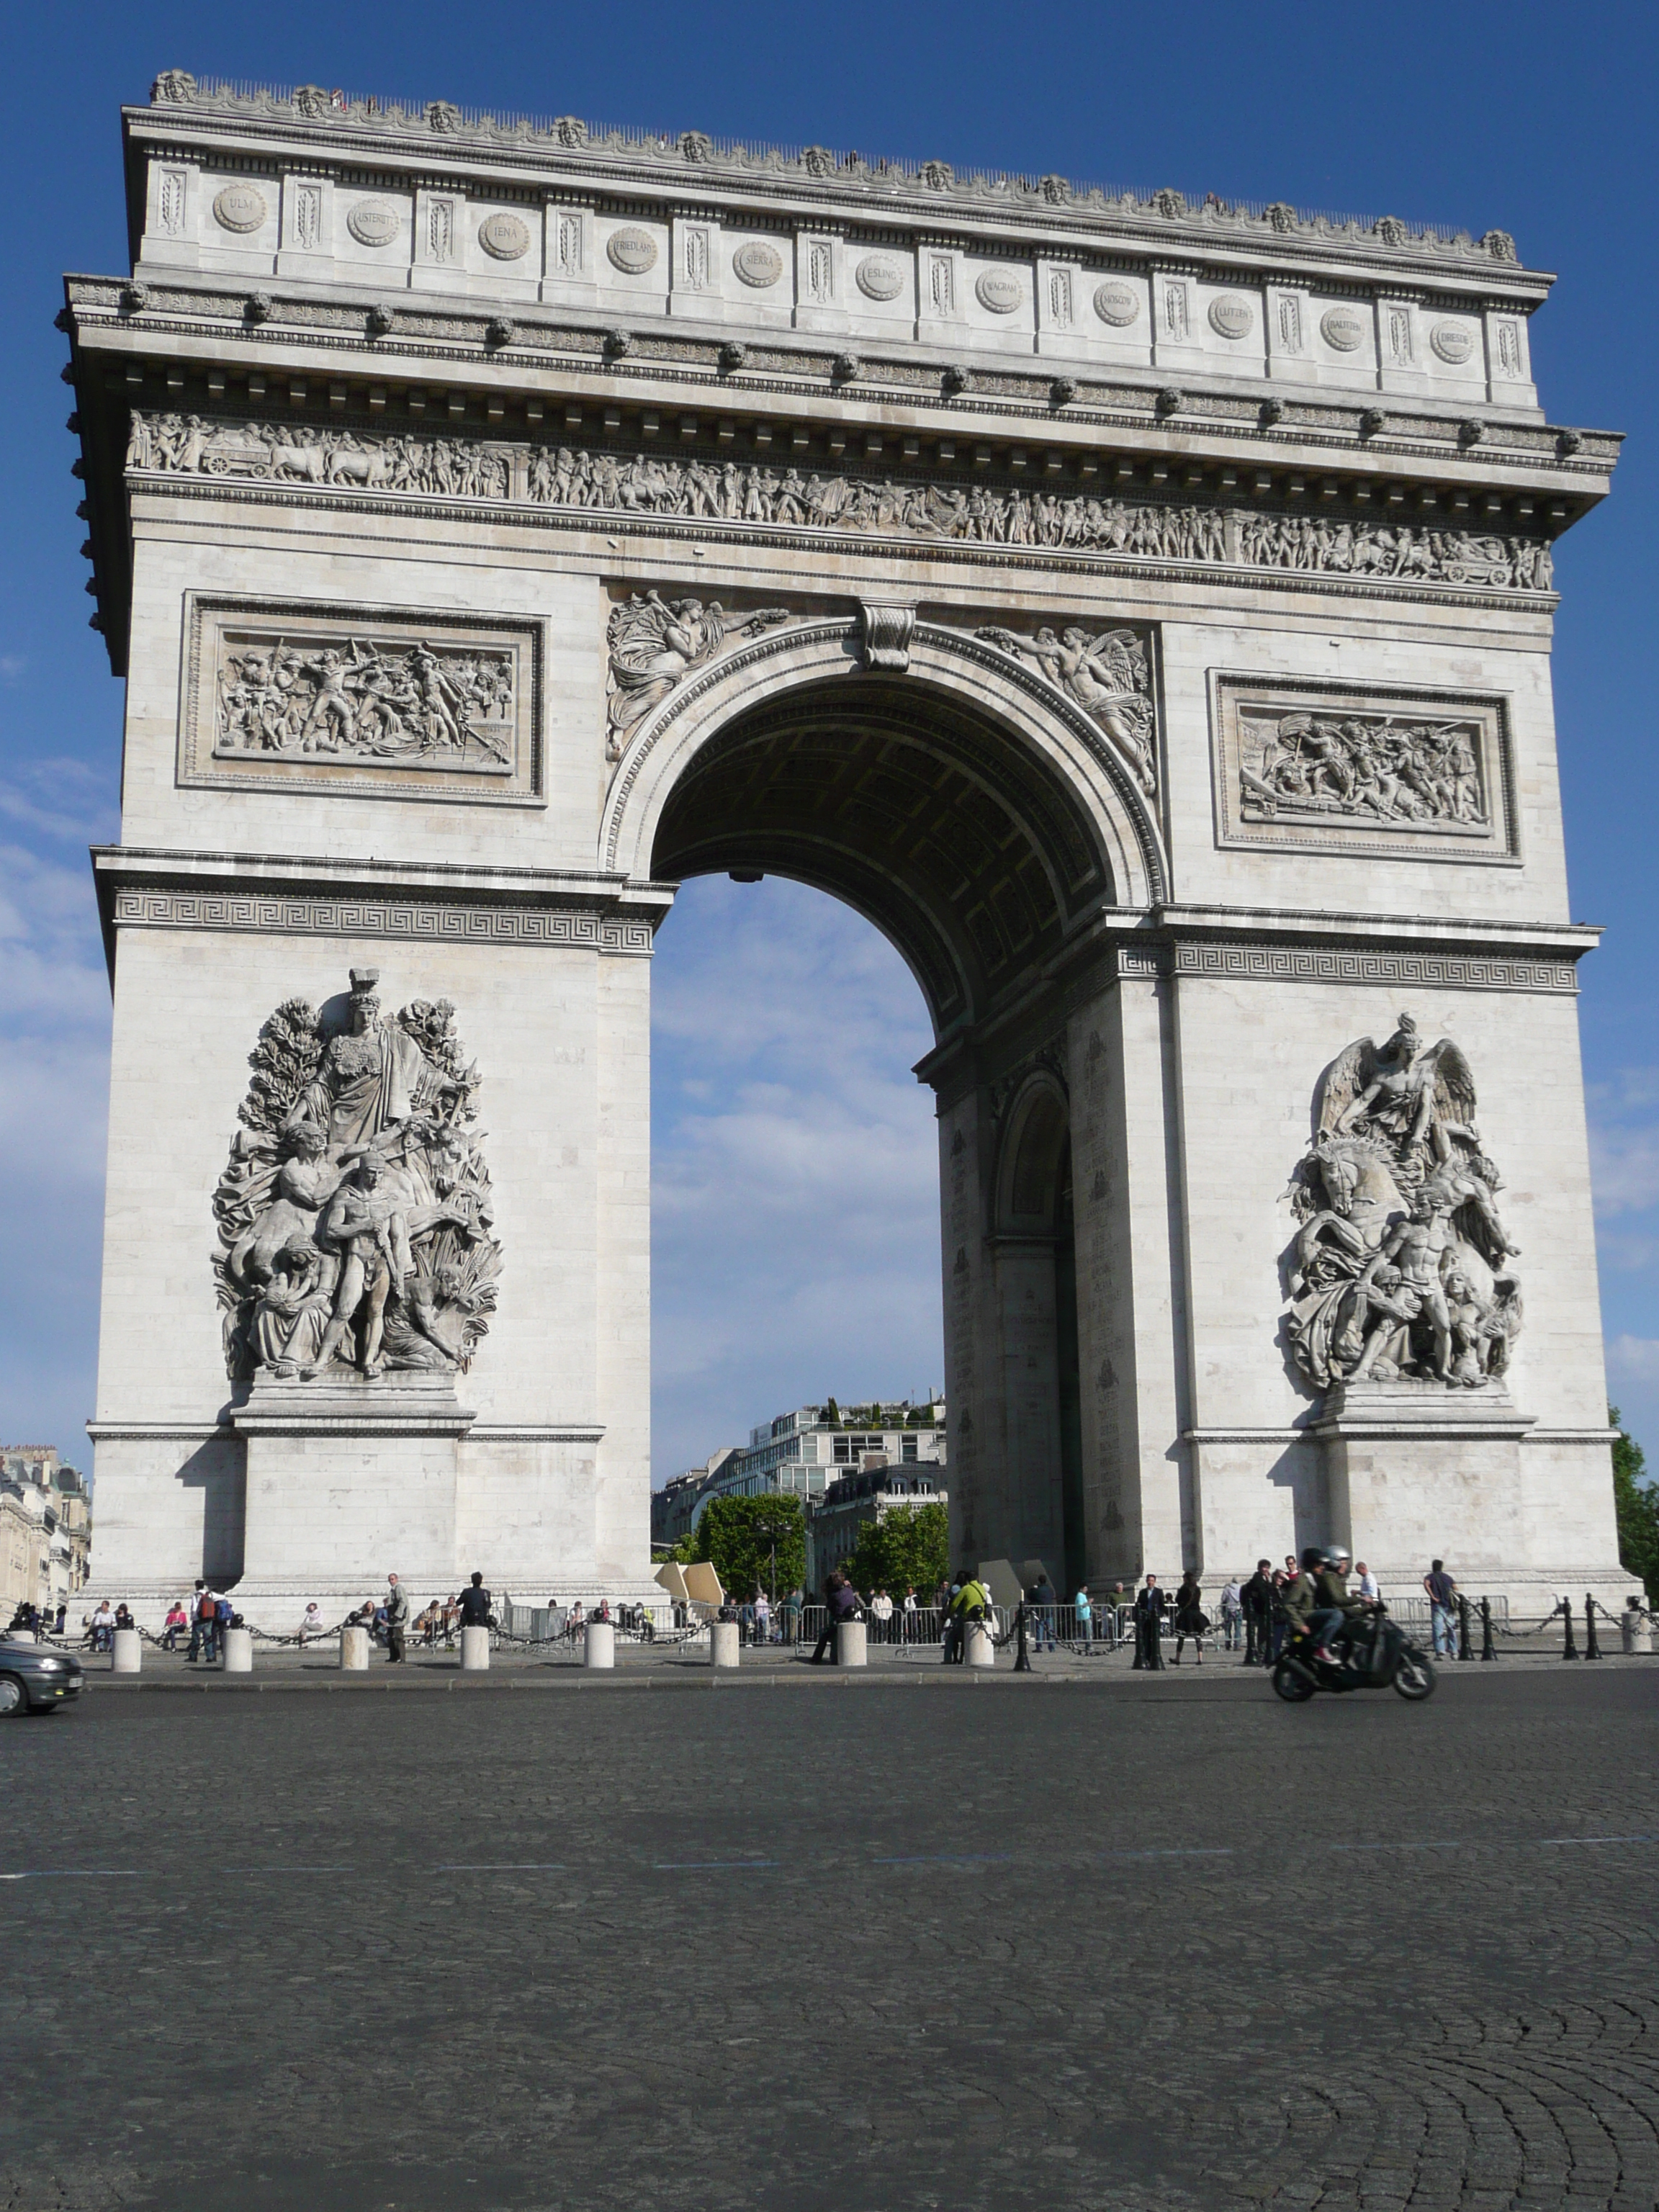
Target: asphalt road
[[836, 1946]]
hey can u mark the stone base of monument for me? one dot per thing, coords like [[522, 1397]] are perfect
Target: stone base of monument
[[127, 1651], [239, 1650], [354, 1649], [723, 1645], [978, 1649], [475, 1650], [851, 1647], [360, 1475], [599, 1644], [1416, 1471]]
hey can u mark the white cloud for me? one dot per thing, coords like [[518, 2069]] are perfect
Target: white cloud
[[1624, 1169], [795, 1178]]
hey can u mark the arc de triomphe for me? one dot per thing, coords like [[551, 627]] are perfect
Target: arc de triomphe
[[1139, 611]]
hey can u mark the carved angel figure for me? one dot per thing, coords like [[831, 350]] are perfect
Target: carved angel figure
[[1106, 675], [654, 643], [354, 1215], [1401, 1268]]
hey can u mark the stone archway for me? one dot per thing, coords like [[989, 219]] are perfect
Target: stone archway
[[957, 807]]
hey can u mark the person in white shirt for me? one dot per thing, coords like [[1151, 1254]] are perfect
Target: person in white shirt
[[762, 1618], [881, 1610], [312, 1625], [1368, 1589]]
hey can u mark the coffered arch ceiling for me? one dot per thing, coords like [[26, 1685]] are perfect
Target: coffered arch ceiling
[[925, 815]]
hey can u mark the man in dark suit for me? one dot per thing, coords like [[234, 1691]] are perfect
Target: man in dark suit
[[1256, 1598]]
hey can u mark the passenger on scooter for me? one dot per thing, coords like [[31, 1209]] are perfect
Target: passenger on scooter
[[1336, 1611], [1296, 1598]]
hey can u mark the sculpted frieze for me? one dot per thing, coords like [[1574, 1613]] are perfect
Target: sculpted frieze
[[1327, 767], [1401, 1269], [363, 701], [1106, 673], [654, 643], [836, 500], [355, 1221]]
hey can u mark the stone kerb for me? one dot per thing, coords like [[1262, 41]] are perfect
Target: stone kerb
[[987, 682]]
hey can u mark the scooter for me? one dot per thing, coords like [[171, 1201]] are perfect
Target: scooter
[[1386, 1659]]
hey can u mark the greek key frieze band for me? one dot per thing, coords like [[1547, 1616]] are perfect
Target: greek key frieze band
[[431, 920], [1325, 964]]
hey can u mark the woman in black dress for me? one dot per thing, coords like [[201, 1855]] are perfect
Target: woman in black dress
[[1190, 1618]]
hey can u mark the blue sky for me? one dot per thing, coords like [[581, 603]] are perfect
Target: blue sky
[[794, 1163]]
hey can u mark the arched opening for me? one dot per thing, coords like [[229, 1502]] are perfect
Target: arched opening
[[920, 812], [978, 858]]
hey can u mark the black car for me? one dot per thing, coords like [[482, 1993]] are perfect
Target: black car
[[37, 1678]]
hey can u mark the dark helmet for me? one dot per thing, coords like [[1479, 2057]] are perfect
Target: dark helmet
[[1314, 1557]]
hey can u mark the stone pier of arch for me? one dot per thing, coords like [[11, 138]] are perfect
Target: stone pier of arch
[[1142, 615]]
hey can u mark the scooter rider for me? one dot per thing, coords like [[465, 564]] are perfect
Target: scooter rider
[[1334, 1610], [1296, 1598]]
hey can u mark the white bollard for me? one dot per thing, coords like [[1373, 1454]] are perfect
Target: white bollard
[[354, 1649], [723, 1643], [1637, 1632], [980, 1651], [851, 1650], [128, 1652], [475, 1650], [599, 1644], [239, 1650]]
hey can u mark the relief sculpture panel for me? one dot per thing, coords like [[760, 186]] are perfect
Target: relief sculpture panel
[[382, 703], [1322, 767]]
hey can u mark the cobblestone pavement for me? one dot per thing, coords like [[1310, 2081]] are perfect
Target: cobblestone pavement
[[1119, 1946]]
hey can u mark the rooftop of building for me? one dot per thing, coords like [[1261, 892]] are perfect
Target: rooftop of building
[[1162, 213]]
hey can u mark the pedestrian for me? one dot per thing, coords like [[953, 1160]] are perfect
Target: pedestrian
[[223, 1617], [475, 1608], [397, 1620], [310, 1625], [841, 1603], [205, 1613], [1190, 1618], [881, 1610], [971, 1602], [746, 1619], [1083, 1613], [1046, 1598], [762, 1618], [789, 1616], [1256, 1598], [176, 1622], [1232, 1613], [1442, 1594], [1368, 1586], [58, 1625], [1149, 1623], [910, 1624]]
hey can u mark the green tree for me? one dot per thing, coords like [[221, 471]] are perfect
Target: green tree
[[832, 1414], [909, 1546], [753, 1543], [1637, 1504]]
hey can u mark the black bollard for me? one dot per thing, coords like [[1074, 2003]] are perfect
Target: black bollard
[[1488, 1649], [1022, 1656], [1592, 1649], [1465, 1651], [1155, 1642], [1569, 1648]]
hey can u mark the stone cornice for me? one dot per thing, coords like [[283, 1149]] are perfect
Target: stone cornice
[[434, 902], [518, 156]]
